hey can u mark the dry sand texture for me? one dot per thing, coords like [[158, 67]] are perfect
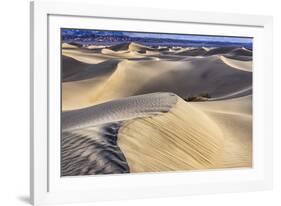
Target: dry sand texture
[[135, 108]]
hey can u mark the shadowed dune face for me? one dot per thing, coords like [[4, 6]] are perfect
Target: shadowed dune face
[[93, 151], [217, 79], [77, 71], [123, 108]]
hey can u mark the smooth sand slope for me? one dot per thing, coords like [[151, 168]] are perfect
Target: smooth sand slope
[[234, 117], [243, 65], [80, 80]]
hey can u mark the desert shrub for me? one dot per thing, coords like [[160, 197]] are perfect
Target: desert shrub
[[205, 95], [201, 97]]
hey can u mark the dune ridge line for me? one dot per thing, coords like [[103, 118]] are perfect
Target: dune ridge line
[[118, 110]]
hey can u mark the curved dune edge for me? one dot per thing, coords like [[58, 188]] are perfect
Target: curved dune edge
[[128, 73], [118, 110], [240, 93], [182, 139], [68, 46], [242, 65], [141, 78], [86, 57]]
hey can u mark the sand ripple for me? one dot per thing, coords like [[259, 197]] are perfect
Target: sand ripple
[[118, 110]]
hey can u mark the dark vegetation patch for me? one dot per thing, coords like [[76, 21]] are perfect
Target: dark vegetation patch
[[199, 98]]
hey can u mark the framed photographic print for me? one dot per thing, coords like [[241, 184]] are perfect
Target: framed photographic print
[[167, 104]]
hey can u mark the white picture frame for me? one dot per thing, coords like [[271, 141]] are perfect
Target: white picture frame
[[46, 184]]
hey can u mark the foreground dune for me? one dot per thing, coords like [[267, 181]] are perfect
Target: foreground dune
[[190, 136], [118, 110], [157, 132], [89, 140], [177, 140]]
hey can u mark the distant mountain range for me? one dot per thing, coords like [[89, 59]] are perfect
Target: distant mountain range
[[88, 37]]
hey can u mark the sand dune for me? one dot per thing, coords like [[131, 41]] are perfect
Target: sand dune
[[243, 65], [207, 48], [76, 94], [132, 46], [68, 46], [240, 93], [97, 90], [219, 50], [123, 108], [93, 151], [139, 50], [234, 116], [161, 132], [104, 54], [138, 47], [118, 110], [119, 47], [96, 54], [217, 79], [93, 47], [133, 73], [163, 143], [218, 135], [233, 51], [81, 79], [89, 139], [86, 56], [74, 70], [122, 54], [241, 52], [193, 52]]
